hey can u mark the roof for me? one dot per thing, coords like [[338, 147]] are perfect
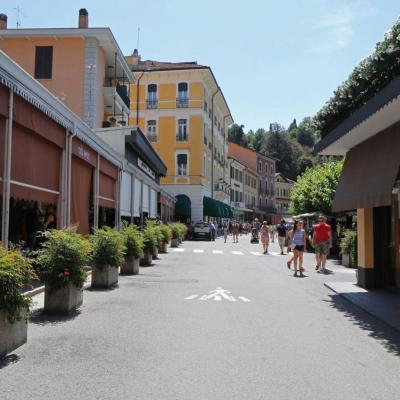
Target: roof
[[103, 35], [151, 65], [242, 154], [284, 177]]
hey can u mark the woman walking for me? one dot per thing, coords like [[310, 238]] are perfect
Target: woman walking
[[235, 232], [298, 239], [264, 231], [225, 230]]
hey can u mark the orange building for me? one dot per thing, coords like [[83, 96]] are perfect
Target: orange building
[[83, 67]]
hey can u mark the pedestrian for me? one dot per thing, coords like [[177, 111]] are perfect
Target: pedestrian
[[212, 228], [235, 232], [264, 236], [299, 239], [282, 233], [322, 242], [225, 230], [273, 233]]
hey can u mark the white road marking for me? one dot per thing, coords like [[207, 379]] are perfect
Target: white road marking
[[218, 294], [218, 252], [237, 253], [198, 251], [191, 297], [178, 250], [256, 253]]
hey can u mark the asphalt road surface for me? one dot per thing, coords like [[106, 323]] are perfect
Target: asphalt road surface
[[210, 321]]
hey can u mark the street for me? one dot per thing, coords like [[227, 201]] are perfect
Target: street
[[210, 321]]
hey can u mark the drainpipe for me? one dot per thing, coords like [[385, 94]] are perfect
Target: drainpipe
[[137, 98], [223, 126], [7, 171], [212, 140], [68, 180]]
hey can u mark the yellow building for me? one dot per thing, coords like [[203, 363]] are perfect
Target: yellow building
[[185, 116], [283, 187]]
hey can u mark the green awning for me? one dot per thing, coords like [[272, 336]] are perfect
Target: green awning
[[183, 206], [216, 208]]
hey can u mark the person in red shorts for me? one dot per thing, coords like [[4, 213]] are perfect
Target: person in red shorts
[[322, 242]]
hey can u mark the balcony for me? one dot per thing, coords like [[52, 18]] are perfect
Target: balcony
[[269, 210], [222, 187], [152, 138], [182, 137], [151, 104], [116, 101], [182, 102]]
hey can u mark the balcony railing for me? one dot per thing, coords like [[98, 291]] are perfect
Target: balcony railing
[[152, 138], [151, 104], [123, 93], [182, 102], [182, 137]]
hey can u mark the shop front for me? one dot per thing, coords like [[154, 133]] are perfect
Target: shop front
[[370, 184]]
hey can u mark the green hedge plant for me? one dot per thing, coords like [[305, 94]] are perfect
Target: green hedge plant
[[349, 244], [166, 232], [150, 239], [133, 240], [108, 247], [175, 231], [63, 258], [15, 271]]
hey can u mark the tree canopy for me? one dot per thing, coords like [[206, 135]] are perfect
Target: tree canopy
[[315, 188]]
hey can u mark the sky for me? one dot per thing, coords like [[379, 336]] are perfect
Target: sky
[[274, 60]]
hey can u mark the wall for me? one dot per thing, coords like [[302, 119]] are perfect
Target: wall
[[68, 66]]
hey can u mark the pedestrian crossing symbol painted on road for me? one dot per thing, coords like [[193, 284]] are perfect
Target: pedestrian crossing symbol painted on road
[[219, 294]]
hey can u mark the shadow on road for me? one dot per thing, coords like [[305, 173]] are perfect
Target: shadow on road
[[39, 318], [8, 360], [378, 330]]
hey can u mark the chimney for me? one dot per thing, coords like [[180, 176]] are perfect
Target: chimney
[[3, 21], [83, 18], [135, 57]]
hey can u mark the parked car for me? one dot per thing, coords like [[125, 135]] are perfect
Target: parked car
[[202, 230]]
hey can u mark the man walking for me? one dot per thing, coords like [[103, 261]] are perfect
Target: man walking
[[282, 233], [322, 242]]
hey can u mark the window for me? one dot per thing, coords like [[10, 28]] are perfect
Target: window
[[215, 120], [182, 164], [43, 62], [204, 165], [205, 134], [266, 168], [259, 166], [183, 98], [205, 106], [241, 176], [236, 196], [241, 197], [232, 173], [152, 101], [182, 135], [236, 175], [152, 130]]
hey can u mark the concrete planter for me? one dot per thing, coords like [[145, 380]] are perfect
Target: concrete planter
[[130, 266], [12, 335], [147, 259], [174, 242], [64, 300], [104, 277], [155, 255], [163, 248], [346, 261]]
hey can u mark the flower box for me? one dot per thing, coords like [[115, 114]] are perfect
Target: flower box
[[62, 300], [174, 242], [13, 335], [147, 259], [130, 266], [104, 276]]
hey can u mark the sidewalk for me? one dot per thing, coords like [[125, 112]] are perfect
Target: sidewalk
[[382, 304]]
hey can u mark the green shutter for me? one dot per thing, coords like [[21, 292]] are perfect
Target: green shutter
[[152, 88], [182, 159], [182, 87]]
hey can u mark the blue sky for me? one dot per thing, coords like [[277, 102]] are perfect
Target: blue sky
[[274, 60]]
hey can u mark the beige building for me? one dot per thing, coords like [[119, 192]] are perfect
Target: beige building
[[283, 192]]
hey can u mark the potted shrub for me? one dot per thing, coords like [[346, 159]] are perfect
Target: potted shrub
[[158, 236], [167, 235], [349, 248], [182, 231], [175, 235], [150, 246], [62, 259], [15, 270], [108, 254], [134, 249]]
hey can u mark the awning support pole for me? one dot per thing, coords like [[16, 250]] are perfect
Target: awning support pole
[[7, 171]]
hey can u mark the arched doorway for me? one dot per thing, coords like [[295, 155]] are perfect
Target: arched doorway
[[183, 208]]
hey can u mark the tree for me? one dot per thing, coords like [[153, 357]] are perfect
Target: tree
[[292, 130], [236, 134], [306, 132], [315, 189]]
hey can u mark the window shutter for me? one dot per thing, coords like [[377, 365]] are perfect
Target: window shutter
[[43, 62], [152, 88], [182, 159], [182, 87]]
